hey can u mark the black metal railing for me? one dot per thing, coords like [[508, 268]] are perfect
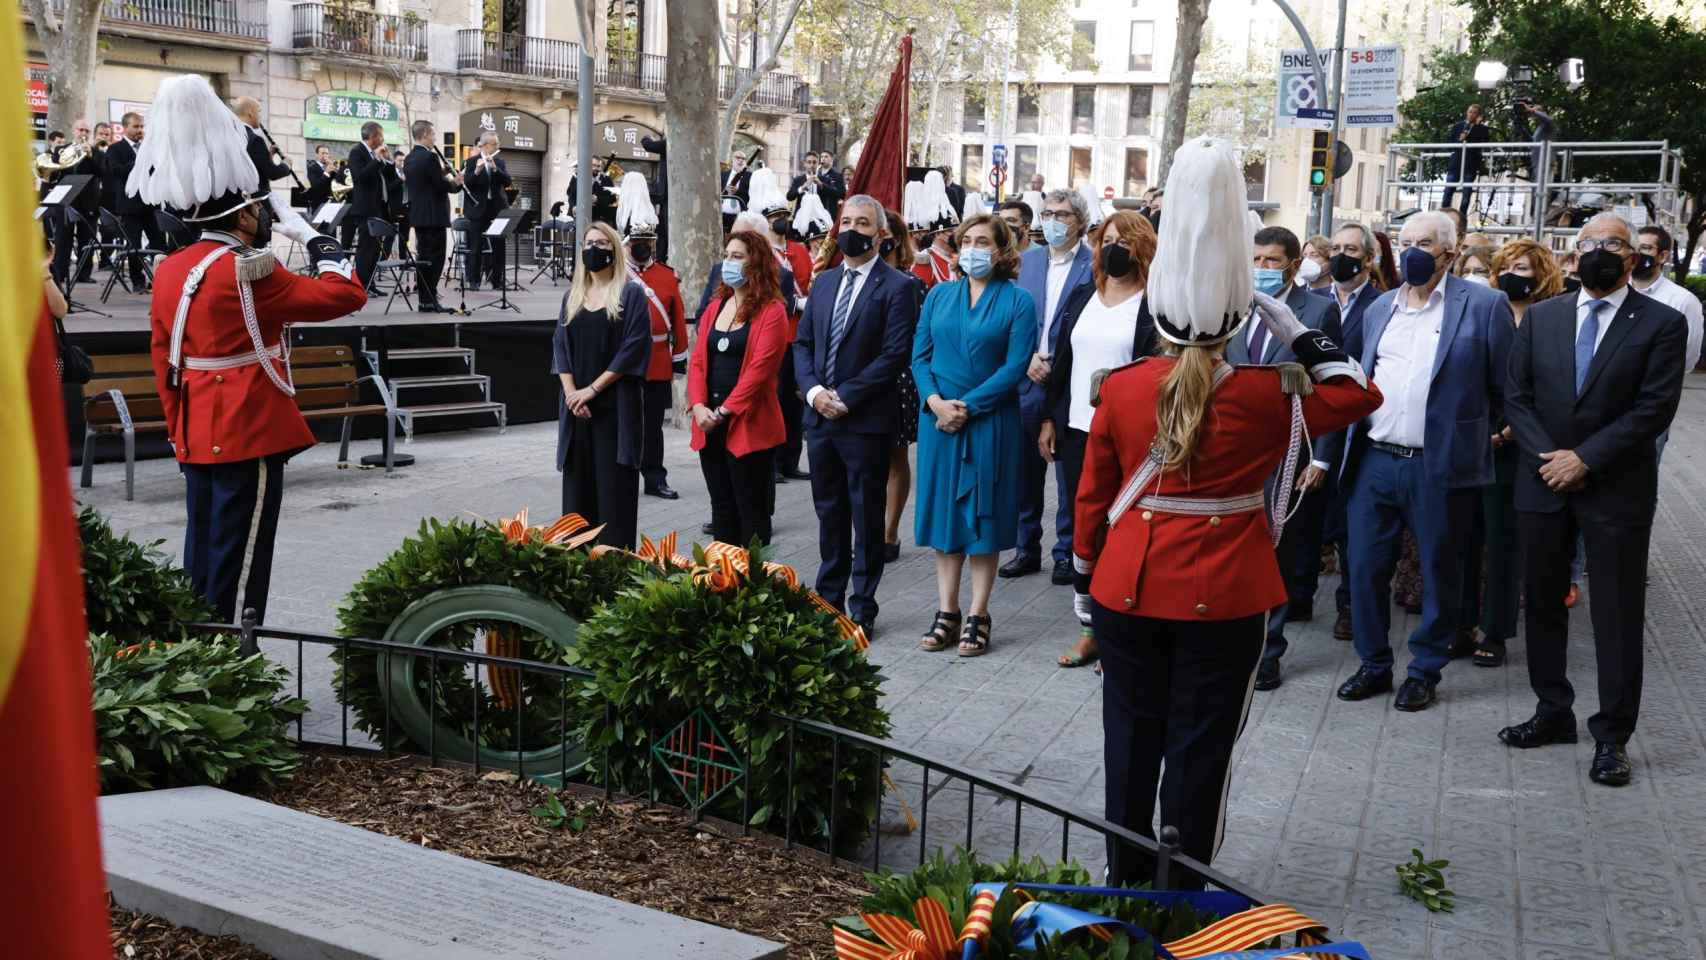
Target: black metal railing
[[776, 90], [848, 747], [317, 26], [633, 71], [221, 17], [517, 54]]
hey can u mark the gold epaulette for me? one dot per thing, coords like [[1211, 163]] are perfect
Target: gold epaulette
[[253, 265], [1101, 376], [1294, 379]]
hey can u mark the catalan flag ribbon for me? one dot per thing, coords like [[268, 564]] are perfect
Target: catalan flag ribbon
[[932, 939], [54, 903]]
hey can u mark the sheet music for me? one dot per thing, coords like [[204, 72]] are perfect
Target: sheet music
[[40, 211], [497, 227], [56, 195], [328, 212]]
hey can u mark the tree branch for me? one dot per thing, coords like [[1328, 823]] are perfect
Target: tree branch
[[46, 25]]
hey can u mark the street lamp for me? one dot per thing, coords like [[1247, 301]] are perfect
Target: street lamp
[[1489, 74]]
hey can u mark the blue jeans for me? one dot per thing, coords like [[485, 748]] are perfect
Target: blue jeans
[[1388, 494]]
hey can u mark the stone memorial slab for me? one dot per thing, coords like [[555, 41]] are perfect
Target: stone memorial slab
[[304, 888]]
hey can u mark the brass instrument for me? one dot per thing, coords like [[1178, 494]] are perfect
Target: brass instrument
[[341, 190], [69, 156], [612, 169]]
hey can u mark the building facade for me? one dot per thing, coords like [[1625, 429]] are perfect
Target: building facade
[[321, 70]]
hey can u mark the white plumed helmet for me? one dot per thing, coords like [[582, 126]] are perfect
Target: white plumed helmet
[[1200, 285]]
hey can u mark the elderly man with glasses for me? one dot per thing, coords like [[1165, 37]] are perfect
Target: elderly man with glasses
[[1437, 347], [1595, 377]]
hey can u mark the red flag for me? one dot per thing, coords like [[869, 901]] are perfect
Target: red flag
[[881, 172]]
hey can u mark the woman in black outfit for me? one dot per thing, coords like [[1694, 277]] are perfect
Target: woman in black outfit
[[1117, 329], [599, 352], [897, 250]]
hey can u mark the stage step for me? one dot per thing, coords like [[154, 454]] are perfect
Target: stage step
[[465, 354], [445, 380], [499, 410]]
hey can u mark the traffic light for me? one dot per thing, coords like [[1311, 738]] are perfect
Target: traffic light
[[1320, 159]]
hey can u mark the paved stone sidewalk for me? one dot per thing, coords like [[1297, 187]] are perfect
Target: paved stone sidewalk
[[1326, 796]]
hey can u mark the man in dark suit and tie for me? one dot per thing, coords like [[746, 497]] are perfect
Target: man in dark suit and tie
[[1595, 377], [374, 179], [248, 110], [1278, 254], [1048, 273], [319, 179], [430, 184], [484, 178], [854, 338], [1437, 348], [136, 216]]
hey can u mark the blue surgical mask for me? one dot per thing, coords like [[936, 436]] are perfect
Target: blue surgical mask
[[1055, 232], [1417, 266], [977, 262], [1268, 280], [734, 272]]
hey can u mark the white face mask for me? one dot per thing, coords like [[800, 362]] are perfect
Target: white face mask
[[1477, 279], [1308, 271]]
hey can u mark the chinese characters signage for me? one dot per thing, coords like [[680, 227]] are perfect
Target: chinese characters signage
[[340, 114], [622, 137], [515, 130]]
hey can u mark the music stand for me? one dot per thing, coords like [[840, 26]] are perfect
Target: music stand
[[560, 234], [60, 200], [500, 230]]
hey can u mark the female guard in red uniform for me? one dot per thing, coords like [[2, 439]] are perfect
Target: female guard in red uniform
[[1170, 513]]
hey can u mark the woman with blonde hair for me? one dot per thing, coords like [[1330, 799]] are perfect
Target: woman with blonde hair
[[1169, 531], [599, 353]]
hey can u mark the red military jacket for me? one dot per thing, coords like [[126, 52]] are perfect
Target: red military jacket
[[1178, 567], [798, 260], [224, 416], [669, 333], [935, 268]]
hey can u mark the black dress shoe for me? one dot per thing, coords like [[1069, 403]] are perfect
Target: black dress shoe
[[1061, 575], [377, 292], [1610, 764], [1268, 674], [1414, 695], [794, 473], [1299, 613], [1462, 643], [780, 478], [662, 491], [1020, 566], [1536, 732], [891, 552], [1342, 626], [1365, 683], [705, 529]]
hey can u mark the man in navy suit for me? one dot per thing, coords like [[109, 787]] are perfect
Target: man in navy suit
[[1437, 348], [855, 337], [1048, 273], [1351, 266], [1595, 377], [1278, 254]]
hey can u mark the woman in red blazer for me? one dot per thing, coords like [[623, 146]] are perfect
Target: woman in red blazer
[[731, 389]]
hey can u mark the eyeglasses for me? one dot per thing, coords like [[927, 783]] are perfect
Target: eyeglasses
[[1424, 243], [1059, 215], [1609, 245]]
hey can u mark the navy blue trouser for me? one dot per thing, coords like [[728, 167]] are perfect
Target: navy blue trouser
[[1388, 494], [1033, 478], [1299, 549], [228, 541], [850, 478]]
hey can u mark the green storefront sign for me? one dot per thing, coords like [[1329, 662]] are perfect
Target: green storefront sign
[[340, 114]]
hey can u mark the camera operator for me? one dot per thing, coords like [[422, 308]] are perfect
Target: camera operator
[[1535, 125], [1465, 164]]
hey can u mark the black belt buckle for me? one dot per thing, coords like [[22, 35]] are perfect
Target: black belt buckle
[[1396, 449], [173, 378]]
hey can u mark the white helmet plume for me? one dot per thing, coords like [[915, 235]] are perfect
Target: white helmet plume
[[763, 193], [196, 149], [1092, 203], [634, 210], [1200, 285], [973, 206], [812, 217]]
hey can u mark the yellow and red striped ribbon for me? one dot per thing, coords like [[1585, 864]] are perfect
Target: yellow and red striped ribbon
[[932, 939], [1244, 930]]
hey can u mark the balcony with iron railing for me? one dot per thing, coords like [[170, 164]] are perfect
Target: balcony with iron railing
[[357, 33], [775, 92], [630, 70], [517, 55], [238, 21]]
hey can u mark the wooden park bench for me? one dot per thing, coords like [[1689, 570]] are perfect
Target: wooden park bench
[[122, 400]]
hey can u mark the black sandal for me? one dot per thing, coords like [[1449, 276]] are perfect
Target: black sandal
[[1489, 654], [940, 636], [974, 636]]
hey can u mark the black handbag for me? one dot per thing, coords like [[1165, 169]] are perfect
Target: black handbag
[[73, 364]]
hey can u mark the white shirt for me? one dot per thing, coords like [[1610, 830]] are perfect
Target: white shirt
[[1101, 340], [856, 277], [1607, 313], [1678, 298], [1059, 267], [1346, 299], [1403, 368]]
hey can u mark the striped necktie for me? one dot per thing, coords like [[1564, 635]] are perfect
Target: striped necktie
[[1585, 342], [838, 326]]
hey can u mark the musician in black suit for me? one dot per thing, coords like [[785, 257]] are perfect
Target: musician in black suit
[[660, 192], [1595, 377], [431, 182], [1465, 165], [374, 180], [248, 110], [603, 193], [737, 180], [829, 175], [484, 178], [87, 204], [320, 178], [813, 181], [136, 217]]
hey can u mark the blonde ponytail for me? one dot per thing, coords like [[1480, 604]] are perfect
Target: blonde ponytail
[[1182, 403]]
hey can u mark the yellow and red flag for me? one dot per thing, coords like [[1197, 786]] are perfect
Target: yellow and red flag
[[52, 892]]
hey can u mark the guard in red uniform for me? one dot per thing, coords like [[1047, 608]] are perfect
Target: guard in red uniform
[[1171, 534], [220, 344], [669, 351], [935, 263]]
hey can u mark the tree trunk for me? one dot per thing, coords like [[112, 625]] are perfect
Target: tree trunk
[[695, 221], [935, 93], [72, 49], [1187, 44]]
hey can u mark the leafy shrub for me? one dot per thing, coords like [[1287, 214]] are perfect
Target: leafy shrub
[[130, 591], [445, 554], [196, 712], [667, 646], [949, 880]]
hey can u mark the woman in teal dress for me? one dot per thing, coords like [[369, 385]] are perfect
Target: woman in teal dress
[[975, 338]]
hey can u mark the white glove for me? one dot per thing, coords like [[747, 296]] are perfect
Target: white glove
[[1282, 324], [288, 223]]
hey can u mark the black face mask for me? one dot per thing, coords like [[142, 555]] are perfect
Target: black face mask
[[1646, 266], [1600, 269], [1116, 260], [598, 258], [779, 226], [1343, 267], [886, 247], [642, 251], [263, 225], [1571, 284], [1515, 287], [853, 243]]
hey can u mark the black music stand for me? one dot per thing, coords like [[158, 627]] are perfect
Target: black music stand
[[60, 200], [499, 231], [560, 236]]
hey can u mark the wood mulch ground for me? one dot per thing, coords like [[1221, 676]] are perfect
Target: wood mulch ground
[[653, 856]]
